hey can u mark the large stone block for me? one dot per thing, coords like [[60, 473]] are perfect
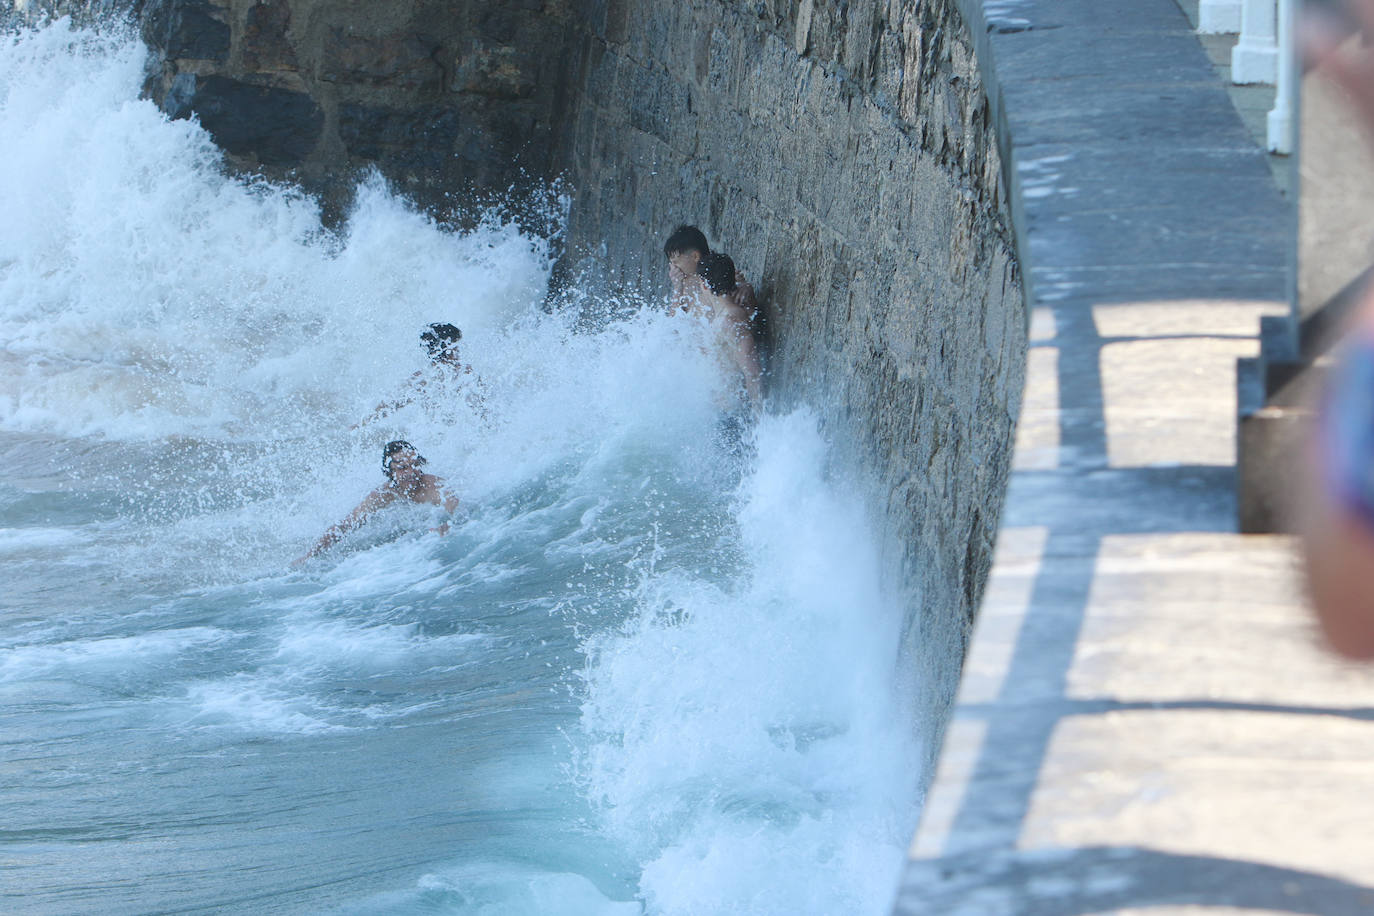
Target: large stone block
[[495, 71], [187, 29], [406, 62], [415, 138], [266, 46], [277, 127]]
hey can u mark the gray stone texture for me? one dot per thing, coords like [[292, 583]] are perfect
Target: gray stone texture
[[842, 153], [277, 127], [450, 98], [194, 29]]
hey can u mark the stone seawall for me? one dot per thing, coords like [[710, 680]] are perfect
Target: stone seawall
[[450, 100], [843, 153]]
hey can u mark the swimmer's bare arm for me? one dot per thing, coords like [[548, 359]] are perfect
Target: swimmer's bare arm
[[377, 499], [449, 501], [744, 297], [746, 357], [414, 386], [676, 282]]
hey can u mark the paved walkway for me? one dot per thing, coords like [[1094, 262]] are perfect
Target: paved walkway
[[1252, 102], [1146, 722]]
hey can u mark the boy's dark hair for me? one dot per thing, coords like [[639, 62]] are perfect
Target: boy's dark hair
[[718, 272], [686, 238], [439, 338], [394, 446]]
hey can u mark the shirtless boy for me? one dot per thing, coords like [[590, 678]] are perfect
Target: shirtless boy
[[716, 273], [684, 250], [405, 482], [441, 341]]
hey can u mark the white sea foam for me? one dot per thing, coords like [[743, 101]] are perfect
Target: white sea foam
[[492, 888], [142, 294], [368, 649], [736, 725], [754, 731], [15, 540], [252, 704], [109, 655]]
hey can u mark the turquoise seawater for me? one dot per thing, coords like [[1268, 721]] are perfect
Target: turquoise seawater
[[647, 670]]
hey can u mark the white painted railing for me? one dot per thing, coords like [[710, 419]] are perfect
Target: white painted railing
[[1281, 116], [1264, 53], [1255, 58], [1215, 16]]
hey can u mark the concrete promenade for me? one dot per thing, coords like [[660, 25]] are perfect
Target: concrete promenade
[[1146, 723]]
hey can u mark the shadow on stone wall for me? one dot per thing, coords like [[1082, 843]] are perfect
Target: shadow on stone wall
[[450, 100]]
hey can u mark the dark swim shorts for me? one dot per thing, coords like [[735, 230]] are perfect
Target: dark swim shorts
[[734, 435]]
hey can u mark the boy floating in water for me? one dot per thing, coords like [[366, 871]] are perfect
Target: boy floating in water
[[405, 482], [449, 374]]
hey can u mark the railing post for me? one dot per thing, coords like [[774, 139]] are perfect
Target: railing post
[[1215, 16], [1280, 124], [1254, 59]]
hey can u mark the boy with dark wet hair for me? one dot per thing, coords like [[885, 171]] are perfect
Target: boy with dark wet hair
[[718, 272], [441, 342], [405, 482], [391, 449], [686, 239], [685, 249], [719, 285]]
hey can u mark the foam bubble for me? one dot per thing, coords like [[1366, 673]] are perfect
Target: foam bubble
[[257, 705], [496, 888], [109, 655], [368, 649]]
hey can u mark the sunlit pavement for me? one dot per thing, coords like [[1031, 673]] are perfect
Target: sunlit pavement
[[1147, 723]]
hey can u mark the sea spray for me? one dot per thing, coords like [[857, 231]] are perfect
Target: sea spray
[[748, 745], [649, 667]]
